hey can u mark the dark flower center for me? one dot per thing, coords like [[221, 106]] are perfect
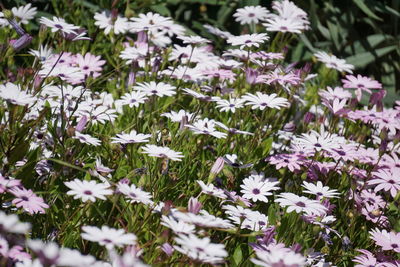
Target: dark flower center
[[24, 198], [301, 204], [251, 15], [391, 182], [87, 192], [317, 145], [256, 191], [58, 26], [108, 241], [85, 67]]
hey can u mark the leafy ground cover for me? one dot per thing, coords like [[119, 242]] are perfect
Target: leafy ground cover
[[129, 142]]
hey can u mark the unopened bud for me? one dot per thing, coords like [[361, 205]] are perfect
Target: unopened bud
[[81, 124], [194, 205], [21, 43]]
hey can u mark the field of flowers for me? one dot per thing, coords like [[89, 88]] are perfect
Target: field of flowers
[[130, 142]]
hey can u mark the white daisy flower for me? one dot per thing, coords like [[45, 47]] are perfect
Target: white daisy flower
[[24, 13], [162, 152], [248, 40], [256, 187], [132, 138], [12, 93], [301, 204], [11, 224], [178, 116], [230, 105], [120, 25], [88, 190], [59, 24], [86, 139], [135, 194], [108, 237], [251, 14], [207, 127], [159, 89], [332, 62], [178, 227], [132, 99], [261, 101], [320, 190], [200, 249]]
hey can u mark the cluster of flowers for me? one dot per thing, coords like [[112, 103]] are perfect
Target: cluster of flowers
[[327, 162]]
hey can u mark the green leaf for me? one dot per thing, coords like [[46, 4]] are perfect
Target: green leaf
[[66, 164], [363, 59], [366, 10], [237, 255], [162, 9], [18, 152]]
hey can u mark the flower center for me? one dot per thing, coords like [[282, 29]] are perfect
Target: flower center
[[256, 191], [301, 204], [87, 192]]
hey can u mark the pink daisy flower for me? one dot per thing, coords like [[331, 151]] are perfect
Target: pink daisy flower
[[386, 240], [360, 83], [90, 64], [388, 181], [28, 200]]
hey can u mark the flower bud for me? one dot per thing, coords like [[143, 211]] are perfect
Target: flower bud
[[194, 205], [21, 43], [81, 124]]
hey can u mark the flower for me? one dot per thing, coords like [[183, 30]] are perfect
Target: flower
[[86, 139], [207, 127], [158, 89], [90, 64], [179, 227], [59, 24], [132, 99], [278, 24], [28, 200], [248, 40], [257, 188], [88, 190], [360, 83], [193, 40], [300, 204], [278, 256], [386, 180], [178, 116], [319, 190], [386, 240], [162, 152], [332, 62], [106, 22], [43, 53], [251, 14], [230, 105], [131, 138], [12, 93], [135, 194], [11, 224], [318, 141], [366, 259], [24, 13], [200, 249], [261, 101], [108, 237]]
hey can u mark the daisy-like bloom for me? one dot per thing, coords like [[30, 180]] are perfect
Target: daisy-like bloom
[[11, 224], [221, 74], [337, 106], [210, 189], [301, 204], [230, 105], [162, 152], [132, 138], [178, 116], [88, 190], [200, 249], [207, 127], [135, 194], [218, 32], [132, 99], [178, 227], [248, 40], [278, 24], [262, 101], [108, 237], [158, 89], [367, 259], [387, 180], [90, 64], [24, 13], [13, 94], [59, 24], [8, 184], [193, 40], [135, 53], [291, 161], [332, 62], [43, 53], [337, 92], [203, 219], [251, 14], [28, 200], [319, 190], [256, 187], [386, 240], [278, 256], [149, 21], [315, 141], [86, 139], [120, 25], [360, 83]]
